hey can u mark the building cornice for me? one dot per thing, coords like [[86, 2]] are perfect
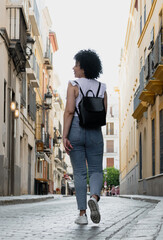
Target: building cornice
[[147, 22]]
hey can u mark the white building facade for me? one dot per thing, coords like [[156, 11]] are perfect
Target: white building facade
[[111, 133]]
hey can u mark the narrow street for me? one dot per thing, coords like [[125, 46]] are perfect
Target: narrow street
[[54, 219]]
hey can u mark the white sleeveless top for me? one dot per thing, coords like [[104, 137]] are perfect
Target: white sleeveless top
[[88, 84]]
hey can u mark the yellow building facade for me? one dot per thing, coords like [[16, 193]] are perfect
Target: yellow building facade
[[142, 120]]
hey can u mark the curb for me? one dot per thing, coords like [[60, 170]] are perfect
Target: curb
[[20, 201], [141, 199]]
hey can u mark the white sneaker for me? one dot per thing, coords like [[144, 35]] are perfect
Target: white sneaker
[[94, 208], [82, 220]]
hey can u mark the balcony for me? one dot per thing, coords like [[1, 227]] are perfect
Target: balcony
[[58, 104], [147, 96], [48, 57], [62, 166], [139, 106], [30, 68], [33, 72], [155, 86], [48, 144], [35, 18], [154, 69], [158, 57], [18, 37]]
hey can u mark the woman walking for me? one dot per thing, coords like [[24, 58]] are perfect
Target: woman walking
[[85, 145]]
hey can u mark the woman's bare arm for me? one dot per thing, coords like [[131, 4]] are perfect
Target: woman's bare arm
[[68, 115]]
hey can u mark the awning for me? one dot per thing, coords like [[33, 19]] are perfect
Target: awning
[[44, 156], [42, 179]]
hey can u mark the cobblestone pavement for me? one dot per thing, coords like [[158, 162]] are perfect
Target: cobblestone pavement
[[54, 219]]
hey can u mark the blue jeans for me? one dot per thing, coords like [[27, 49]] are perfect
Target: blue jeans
[[87, 149]]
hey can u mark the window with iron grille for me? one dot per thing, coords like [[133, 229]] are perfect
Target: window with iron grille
[[161, 141]]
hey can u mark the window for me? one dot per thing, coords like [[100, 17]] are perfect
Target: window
[[23, 91], [110, 128], [38, 165], [141, 63], [140, 157], [145, 54], [161, 141], [32, 103], [111, 111], [153, 147], [144, 14], [140, 25], [110, 162], [110, 146], [152, 34], [4, 103]]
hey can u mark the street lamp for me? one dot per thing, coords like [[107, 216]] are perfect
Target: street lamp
[[57, 138], [48, 98], [28, 50]]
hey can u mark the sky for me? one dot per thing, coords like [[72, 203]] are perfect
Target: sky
[[99, 25]]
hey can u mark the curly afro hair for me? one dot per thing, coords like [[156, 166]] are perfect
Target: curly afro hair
[[90, 62]]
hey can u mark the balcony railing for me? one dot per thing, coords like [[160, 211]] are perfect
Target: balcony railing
[[35, 18], [154, 62], [48, 57], [18, 37], [136, 98]]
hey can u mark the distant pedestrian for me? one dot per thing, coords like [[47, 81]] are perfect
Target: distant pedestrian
[[83, 143]]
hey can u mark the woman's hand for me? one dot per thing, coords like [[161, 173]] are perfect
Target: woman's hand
[[67, 145]]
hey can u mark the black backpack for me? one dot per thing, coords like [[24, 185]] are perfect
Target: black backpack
[[91, 112]]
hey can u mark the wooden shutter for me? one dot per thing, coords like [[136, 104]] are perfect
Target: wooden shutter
[[110, 146], [110, 162]]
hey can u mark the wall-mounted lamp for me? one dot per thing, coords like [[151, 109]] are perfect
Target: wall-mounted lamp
[[16, 113], [59, 140], [48, 98], [28, 50], [13, 106]]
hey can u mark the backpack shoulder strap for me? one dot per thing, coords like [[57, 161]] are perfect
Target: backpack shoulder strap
[[80, 88], [76, 110], [98, 89]]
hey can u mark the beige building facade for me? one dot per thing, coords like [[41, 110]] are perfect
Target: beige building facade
[[142, 100], [17, 148], [27, 127]]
